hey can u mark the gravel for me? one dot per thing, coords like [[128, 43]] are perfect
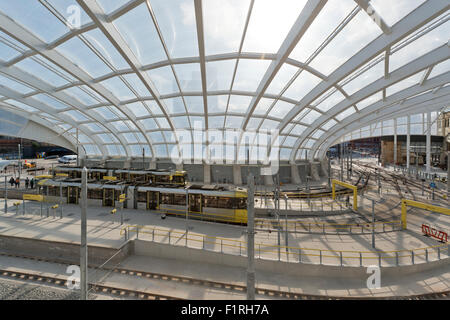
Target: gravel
[[18, 290]]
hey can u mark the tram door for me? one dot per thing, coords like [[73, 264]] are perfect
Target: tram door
[[72, 195], [152, 200], [195, 203], [108, 197]]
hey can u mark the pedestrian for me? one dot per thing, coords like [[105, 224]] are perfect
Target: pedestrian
[[17, 182], [32, 183], [27, 181], [12, 181]]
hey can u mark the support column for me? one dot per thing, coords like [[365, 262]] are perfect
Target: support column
[[152, 165], [395, 141], [179, 167], [408, 141], [250, 239], [206, 173], [295, 174], [83, 247], [237, 175], [429, 142]]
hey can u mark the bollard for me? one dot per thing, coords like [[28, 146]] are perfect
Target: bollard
[[426, 255], [240, 248], [396, 259], [48, 210], [360, 259], [153, 234], [137, 232], [221, 250], [341, 258], [320, 256], [23, 207], [203, 243], [169, 237], [379, 259], [412, 257], [299, 255]]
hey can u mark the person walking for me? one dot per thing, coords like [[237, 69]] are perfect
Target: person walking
[[17, 182], [32, 183], [27, 181], [12, 181]]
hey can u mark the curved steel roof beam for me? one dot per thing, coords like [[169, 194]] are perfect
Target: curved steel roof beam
[[387, 107], [413, 21], [44, 108], [432, 105], [438, 55]]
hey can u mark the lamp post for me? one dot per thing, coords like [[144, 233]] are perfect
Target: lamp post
[[250, 239]]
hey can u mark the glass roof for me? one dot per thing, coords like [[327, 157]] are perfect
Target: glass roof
[[134, 75]]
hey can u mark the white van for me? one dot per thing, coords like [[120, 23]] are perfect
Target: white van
[[68, 159]]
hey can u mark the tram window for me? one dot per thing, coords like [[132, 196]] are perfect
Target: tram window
[[224, 203], [240, 203], [166, 198], [142, 197], [179, 199], [178, 179], [210, 202], [95, 194], [53, 191]]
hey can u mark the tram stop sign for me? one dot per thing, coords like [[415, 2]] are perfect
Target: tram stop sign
[[433, 185]]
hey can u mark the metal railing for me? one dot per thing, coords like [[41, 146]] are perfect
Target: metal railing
[[268, 251]]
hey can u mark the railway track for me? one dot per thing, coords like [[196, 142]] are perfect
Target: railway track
[[100, 288]]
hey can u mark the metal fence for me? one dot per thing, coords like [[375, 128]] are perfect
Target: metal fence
[[268, 251]]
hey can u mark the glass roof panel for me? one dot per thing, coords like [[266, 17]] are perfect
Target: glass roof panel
[[440, 69], [163, 123], [223, 24], [269, 124], [254, 123], [421, 46], [14, 85], [310, 117], [329, 124], [164, 80], [181, 122], [154, 108], [359, 32], [161, 151], [370, 100], [91, 149], [194, 104], [106, 49], [6, 52], [301, 86], [269, 24], [283, 76], [138, 109], [330, 101], [281, 109], [106, 113], [110, 6], [81, 95], [38, 69], [36, 18], [76, 115], [371, 75], [239, 104], [393, 11], [176, 18], [406, 83], [76, 51], [66, 8], [175, 105], [233, 122], [137, 85], [138, 30], [50, 101], [117, 87], [249, 74], [21, 105], [219, 74], [189, 76], [263, 106], [217, 104], [325, 23], [149, 124], [346, 113]]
